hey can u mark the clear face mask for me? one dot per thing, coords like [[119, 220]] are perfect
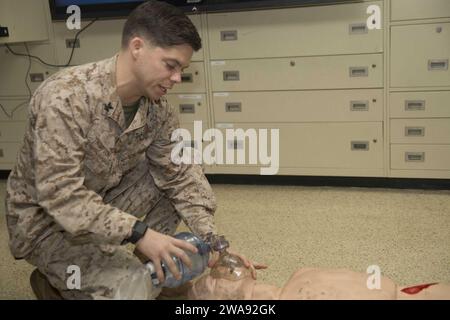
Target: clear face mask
[[230, 267]]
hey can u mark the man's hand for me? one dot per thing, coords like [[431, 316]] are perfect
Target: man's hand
[[253, 266], [159, 248]]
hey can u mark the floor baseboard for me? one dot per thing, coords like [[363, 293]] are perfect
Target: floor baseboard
[[317, 181]]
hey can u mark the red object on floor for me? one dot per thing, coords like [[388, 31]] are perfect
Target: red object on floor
[[417, 289]]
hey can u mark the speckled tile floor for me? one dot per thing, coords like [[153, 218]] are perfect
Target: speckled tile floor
[[405, 232]]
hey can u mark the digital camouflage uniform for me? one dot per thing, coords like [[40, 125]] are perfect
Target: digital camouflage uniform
[[82, 180]]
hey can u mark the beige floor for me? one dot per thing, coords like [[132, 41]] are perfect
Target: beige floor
[[405, 232]]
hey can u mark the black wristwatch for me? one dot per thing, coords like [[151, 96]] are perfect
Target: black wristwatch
[[137, 233]]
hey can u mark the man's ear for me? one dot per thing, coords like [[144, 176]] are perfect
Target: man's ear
[[136, 45]]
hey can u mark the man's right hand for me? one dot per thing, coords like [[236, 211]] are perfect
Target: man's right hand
[[160, 248]]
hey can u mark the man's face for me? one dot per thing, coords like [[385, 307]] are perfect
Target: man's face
[[157, 69]]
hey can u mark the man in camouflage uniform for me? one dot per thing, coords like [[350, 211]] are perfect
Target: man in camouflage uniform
[[97, 157]]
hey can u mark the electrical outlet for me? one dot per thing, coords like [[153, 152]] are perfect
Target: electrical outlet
[[4, 32], [36, 77], [71, 42]]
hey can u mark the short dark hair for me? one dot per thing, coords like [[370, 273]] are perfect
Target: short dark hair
[[162, 24]]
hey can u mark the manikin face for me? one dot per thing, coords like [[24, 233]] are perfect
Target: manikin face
[[229, 279], [157, 69]]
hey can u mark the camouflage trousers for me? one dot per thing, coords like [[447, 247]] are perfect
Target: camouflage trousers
[[109, 272]]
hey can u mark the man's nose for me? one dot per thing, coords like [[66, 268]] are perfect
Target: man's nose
[[176, 77]]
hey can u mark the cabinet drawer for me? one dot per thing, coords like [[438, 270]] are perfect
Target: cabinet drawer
[[432, 131], [14, 68], [192, 80], [420, 157], [325, 30], [299, 106], [16, 109], [196, 20], [8, 152], [102, 41], [318, 145], [12, 131], [420, 55], [103, 35], [419, 9], [420, 104], [189, 107], [333, 72]]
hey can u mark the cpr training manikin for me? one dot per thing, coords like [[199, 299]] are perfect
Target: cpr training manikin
[[229, 279]]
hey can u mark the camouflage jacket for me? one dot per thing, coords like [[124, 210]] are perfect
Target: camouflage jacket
[[76, 148]]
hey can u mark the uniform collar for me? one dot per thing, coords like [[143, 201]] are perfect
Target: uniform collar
[[113, 108]]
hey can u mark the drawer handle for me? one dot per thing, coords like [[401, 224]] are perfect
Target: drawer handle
[[360, 145], [415, 156], [37, 77], [415, 131], [233, 107], [439, 65], [230, 35], [187, 77], [358, 28], [1, 153], [359, 71], [187, 108], [231, 76], [414, 105], [359, 105]]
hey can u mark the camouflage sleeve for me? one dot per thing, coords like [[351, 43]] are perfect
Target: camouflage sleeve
[[185, 184], [59, 143]]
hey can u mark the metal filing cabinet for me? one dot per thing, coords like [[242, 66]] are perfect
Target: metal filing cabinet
[[419, 9], [419, 98], [315, 73], [104, 35], [189, 98], [331, 72], [189, 107], [12, 128], [299, 106], [14, 68], [420, 55], [308, 148], [192, 80], [319, 81], [420, 104], [323, 30]]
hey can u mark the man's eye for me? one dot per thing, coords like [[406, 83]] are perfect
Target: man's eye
[[170, 67]]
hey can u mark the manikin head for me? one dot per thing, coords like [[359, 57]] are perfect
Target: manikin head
[[229, 279], [158, 41]]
